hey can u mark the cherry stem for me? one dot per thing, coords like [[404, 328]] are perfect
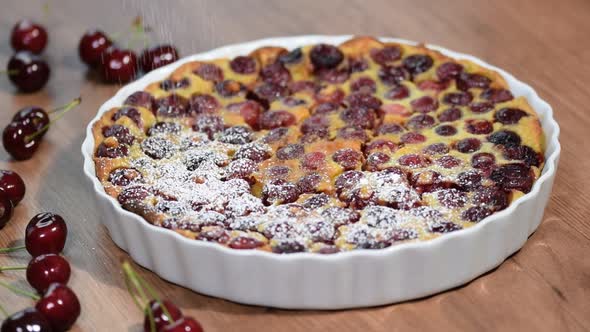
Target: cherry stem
[[132, 280], [19, 291], [9, 72], [69, 105], [138, 305], [155, 296], [12, 268], [140, 284], [46, 10], [12, 249], [3, 311], [62, 111], [138, 32]]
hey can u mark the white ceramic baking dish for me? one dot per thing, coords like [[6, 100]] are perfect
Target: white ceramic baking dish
[[312, 281]]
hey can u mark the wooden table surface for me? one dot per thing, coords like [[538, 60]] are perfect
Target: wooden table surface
[[545, 286]]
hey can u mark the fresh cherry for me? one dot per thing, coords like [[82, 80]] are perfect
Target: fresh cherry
[[28, 71], [6, 209], [185, 324], [33, 116], [118, 65], [161, 319], [12, 185], [60, 306], [92, 45], [18, 140], [28, 320], [47, 269], [21, 137], [45, 234], [158, 56], [28, 36]]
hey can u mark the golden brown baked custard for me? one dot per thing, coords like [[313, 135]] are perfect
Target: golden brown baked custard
[[322, 148]]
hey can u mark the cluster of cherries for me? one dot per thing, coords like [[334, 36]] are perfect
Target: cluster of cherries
[[121, 65], [57, 307], [26, 69], [22, 136], [160, 315], [29, 72]]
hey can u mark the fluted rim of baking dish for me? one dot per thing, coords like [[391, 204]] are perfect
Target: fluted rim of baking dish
[[542, 108]]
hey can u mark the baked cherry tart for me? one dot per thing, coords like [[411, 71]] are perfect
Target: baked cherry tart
[[321, 148]]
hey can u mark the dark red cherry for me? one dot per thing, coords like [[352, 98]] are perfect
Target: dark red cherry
[[325, 56], [313, 161], [158, 56], [18, 141], [27, 71], [12, 185], [244, 243], [6, 209], [392, 75], [386, 54], [92, 46], [28, 36], [348, 158], [254, 151], [468, 145], [505, 137], [450, 115], [60, 306], [28, 320], [449, 70], [185, 324], [279, 191], [118, 65], [275, 119], [467, 81], [398, 92], [33, 116], [160, 318], [483, 160], [290, 151], [509, 115], [417, 63], [46, 234], [424, 104], [514, 176], [45, 270], [475, 213], [244, 65], [143, 99], [497, 95]]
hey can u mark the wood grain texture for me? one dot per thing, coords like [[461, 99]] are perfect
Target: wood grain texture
[[543, 287]]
